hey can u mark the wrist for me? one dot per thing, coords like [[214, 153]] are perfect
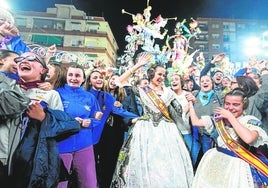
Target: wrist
[[191, 106]]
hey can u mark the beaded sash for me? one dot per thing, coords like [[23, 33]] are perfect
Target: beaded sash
[[158, 102], [239, 150]]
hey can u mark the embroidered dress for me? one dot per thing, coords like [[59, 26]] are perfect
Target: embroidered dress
[[220, 170], [154, 153]]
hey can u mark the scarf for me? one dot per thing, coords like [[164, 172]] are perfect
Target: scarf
[[29, 85], [205, 98]]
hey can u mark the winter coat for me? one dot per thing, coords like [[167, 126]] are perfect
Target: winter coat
[[36, 161], [79, 103], [12, 103]]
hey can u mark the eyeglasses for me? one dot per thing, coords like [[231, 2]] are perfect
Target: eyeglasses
[[30, 58]]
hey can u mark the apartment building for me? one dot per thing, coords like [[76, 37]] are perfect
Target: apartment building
[[231, 36], [78, 37]]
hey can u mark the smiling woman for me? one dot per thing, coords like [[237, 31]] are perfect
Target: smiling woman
[[243, 131], [77, 150], [31, 58], [165, 164], [31, 67]]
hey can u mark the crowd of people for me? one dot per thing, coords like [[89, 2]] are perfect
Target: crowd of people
[[61, 127]]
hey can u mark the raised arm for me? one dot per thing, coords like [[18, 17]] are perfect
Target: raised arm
[[208, 66], [141, 60]]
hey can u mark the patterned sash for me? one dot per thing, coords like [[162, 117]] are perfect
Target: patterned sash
[[239, 150], [158, 102]]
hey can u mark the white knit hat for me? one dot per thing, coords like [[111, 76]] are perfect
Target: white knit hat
[[6, 16]]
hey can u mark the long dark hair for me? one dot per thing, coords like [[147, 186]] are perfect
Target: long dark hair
[[247, 84], [88, 84], [59, 78]]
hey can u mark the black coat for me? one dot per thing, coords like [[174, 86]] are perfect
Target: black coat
[[36, 161]]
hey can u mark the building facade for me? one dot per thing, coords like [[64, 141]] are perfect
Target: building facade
[[231, 36], [78, 37]]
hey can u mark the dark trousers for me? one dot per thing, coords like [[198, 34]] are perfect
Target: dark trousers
[[4, 179], [106, 154]]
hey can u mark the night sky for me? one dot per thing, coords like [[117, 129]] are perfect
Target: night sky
[[111, 10]]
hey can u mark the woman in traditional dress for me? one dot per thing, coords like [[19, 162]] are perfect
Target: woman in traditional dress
[[154, 153], [234, 163]]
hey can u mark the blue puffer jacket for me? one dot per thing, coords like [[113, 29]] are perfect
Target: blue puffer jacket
[[36, 161], [78, 103]]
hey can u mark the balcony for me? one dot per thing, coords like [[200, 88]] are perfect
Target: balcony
[[61, 32]]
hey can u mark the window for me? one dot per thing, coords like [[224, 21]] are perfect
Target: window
[[92, 55], [203, 27], [225, 27], [215, 26], [47, 40], [59, 25], [228, 26], [226, 38], [215, 46], [91, 44], [229, 37], [202, 48], [43, 23], [77, 43], [76, 26], [203, 38], [215, 36], [92, 27], [21, 22], [226, 47]]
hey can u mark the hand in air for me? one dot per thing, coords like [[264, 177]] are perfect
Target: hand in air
[[143, 58]]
